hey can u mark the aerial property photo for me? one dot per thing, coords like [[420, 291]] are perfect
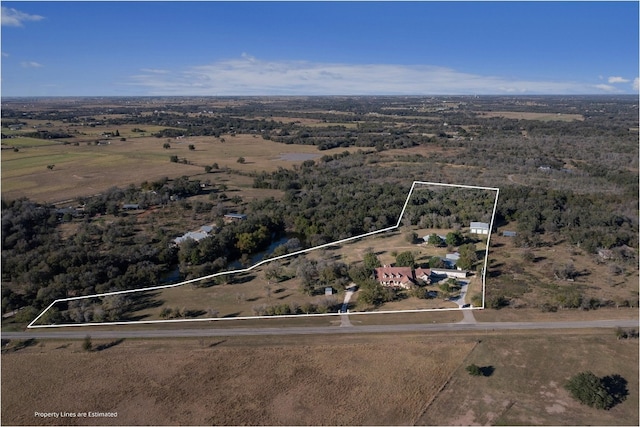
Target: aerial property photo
[[434, 279], [254, 221]]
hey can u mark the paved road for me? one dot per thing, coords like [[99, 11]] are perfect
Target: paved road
[[126, 332]]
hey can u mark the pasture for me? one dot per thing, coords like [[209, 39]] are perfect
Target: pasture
[[302, 380], [345, 379], [87, 169], [527, 384]]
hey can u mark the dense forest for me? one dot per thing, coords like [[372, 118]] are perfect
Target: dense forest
[[577, 182]]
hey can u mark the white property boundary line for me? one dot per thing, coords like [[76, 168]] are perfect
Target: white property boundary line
[[244, 270]]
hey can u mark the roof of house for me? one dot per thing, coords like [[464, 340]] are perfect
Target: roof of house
[[195, 235], [236, 216], [397, 274], [202, 233], [420, 272], [479, 225], [509, 233]]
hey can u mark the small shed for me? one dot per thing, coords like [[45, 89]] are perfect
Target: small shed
[[234, 217], [509, 233]]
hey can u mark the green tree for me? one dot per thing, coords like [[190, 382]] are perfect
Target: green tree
[[405, 259], [434, 240], [372, 293], [436, 262], [166, 145], [241, 160], [468, 256], [246, 243], [590, 390], [173, 159], [192, 147], [27, 314], [454, 238], [371, 260], [207, 169]]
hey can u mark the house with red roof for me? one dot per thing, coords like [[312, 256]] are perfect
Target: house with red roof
[[395, 277]]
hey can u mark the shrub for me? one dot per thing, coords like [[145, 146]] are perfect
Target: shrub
[[87, 345], [477, 371], [497, 302], [474, 370]]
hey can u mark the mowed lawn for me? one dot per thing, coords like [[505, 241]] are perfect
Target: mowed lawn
[[301, 380], [85, 170]]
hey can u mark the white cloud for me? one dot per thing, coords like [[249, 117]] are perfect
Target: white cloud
[[31, 64], [636, 84], [5, 55], [618, 80], [606, 88], [154, 71], [14, 18], [250, 76]]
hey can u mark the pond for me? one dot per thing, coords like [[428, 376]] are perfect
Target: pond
[[259, 256], [174, 276]]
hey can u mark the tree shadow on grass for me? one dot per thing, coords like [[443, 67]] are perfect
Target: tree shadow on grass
[[616, 385], [487, 371], [109, 345], [21, 345], [236, 314], [194, 313], [244, 278]]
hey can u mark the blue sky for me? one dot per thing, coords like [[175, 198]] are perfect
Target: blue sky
[[318, 48]]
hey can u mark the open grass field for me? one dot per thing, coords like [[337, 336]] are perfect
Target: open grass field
[[332, 380], [405, 379], [526, 387], [85, 170]]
